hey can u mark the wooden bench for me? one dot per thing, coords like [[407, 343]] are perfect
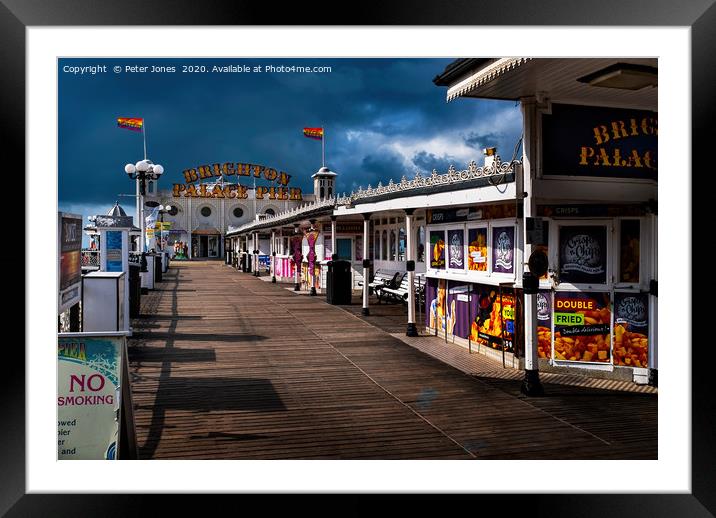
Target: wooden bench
[[380, 278], [400, 294]]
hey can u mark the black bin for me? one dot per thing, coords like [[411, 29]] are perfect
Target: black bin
[[135, 290], [338, 282], [157, 268]]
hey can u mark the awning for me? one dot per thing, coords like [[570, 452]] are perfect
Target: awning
[[484, 75]]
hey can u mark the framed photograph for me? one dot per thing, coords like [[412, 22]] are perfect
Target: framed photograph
[[38, 37]]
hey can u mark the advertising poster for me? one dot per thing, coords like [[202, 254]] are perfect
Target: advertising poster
[[477, 249], [431, 290], [70, 267], [88, 389], [582, 326], [631, 329], [358, 249], [583, 254], [544, 324], [493, 317], [503, 249], [437, 249], [456, 249], [458, 314], [436, 300], [114, 250]]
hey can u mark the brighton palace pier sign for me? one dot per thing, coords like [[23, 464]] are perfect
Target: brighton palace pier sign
[[279, 191]]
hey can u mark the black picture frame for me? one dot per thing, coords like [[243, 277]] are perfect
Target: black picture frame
[[699, 15]]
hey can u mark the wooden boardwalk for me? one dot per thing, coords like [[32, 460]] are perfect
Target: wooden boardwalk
[[228, 366]]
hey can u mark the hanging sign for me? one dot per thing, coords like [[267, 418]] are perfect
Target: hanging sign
[[597, 141]]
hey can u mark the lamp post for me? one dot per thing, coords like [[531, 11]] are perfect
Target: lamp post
[[142, 171], [163, 209]]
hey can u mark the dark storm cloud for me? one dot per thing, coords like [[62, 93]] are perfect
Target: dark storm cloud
[[380, 115], [478, 141], [428, 161]]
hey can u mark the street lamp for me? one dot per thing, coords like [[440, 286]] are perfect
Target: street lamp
[[142, 171], [163, 209]]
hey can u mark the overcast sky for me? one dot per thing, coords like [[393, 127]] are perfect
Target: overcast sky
[[383, 118]]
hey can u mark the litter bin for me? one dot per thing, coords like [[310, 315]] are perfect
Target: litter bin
[[158, 267], [135, 290], [338, 282]]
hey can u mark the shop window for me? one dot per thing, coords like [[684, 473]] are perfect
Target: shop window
[[437, 249], [503, 249], [376, 244], [384, 246], [392, 244], [583, 254], [477, 249], [206, 212], [420, 241], [456, 249], [401, 245], [629, 250]]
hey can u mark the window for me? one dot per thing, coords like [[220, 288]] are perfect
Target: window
[[376, 244], [322, 192], [477, 249], [503, 249], [238, 212], [420, 255], [270, 212], [456, 249], [384, 246], [629, 241], [150, 187], [401, 245], [583, 254], [437, 249], [330, 192], [392, 246], [174, 210], [206, 212]]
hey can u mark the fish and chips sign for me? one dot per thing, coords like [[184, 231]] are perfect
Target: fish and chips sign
[[278, 191]]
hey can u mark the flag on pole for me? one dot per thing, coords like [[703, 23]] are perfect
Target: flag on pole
[[130, 123], [314, 133]]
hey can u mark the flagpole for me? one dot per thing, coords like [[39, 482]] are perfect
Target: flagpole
[[144, 137], [323, 147]]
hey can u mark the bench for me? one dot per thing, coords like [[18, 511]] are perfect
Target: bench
[[380, 278], [400, 294]]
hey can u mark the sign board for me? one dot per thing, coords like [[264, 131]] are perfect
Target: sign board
[[89, 370], [70, 264], [598, 141], [114, 250]]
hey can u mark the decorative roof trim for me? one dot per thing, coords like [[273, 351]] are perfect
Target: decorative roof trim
[[484, 75]]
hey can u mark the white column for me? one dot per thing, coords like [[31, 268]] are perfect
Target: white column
[[412, 330], [366, 261], [531, 384]]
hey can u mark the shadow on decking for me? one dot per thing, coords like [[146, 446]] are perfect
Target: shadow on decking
[[155, 354], [217, 394]]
